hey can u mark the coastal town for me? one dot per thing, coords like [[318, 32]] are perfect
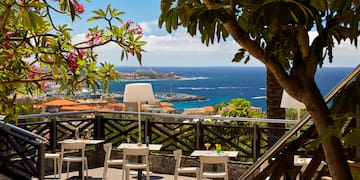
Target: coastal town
[[87, 99]]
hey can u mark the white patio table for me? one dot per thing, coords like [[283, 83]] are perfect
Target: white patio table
[[213, 153], [152, 147], [86, 141]]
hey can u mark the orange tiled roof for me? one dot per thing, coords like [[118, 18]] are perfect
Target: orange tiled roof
[[168, 108], [60, 102], [165, 104], [78, 108], [208, 108]]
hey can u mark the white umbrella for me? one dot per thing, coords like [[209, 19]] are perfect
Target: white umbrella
[[289, 102], [138, 92]]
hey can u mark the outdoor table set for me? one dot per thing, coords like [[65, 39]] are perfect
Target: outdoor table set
[[214, 158], [77, 144], [132, 149]]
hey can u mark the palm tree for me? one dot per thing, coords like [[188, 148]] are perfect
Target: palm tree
[[273, 100]]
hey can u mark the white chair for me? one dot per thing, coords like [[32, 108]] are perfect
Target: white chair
[[142, 153], [179, 169], [56, 159], [221, 159], [109, 162], [71, 146]]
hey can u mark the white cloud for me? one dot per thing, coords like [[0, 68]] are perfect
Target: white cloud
[[148, 26], [183, 42], [180, 49], [345, 53]]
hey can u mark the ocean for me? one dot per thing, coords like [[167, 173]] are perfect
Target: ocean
[[221, 84]]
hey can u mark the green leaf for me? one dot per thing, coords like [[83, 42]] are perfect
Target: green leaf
[[94, 18], [72, 11], [99, 12], [108, 9]]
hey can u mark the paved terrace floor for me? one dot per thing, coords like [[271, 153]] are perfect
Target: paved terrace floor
[[113, 174], [116, 174]]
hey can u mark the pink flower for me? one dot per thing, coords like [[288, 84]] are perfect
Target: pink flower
[[132, 31], [6, 43], [78, 7], [35, 69], [9, 56], [31, 75], [90, 42], [73, 65], [139, 30], [71, 59], [128, 23], [132, 51], [10, 33], [82, 53], [43, 86], [96, 35], [94, 38]]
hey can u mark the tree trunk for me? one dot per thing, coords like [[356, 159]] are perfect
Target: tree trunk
[[332, 146], [273, 100]]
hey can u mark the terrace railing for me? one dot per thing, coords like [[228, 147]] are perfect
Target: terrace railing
[[251, 137], [35, 134], [21, 152]]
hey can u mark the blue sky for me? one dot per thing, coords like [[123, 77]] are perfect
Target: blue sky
[[177, 48]]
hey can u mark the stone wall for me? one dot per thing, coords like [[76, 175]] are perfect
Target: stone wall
[[165, 164], [159, 163]]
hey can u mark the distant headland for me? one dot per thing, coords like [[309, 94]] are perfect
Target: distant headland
[[149, 74]]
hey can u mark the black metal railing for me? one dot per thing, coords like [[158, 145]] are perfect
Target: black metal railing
[[21, 152], [39, 133], [251, 137]]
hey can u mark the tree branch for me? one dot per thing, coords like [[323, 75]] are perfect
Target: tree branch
[[239, 35]]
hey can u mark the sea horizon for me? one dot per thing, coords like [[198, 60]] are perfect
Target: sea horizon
[[221, 84]]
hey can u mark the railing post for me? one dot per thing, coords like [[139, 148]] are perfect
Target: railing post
[[41, 162], [198, 131], [4, 152], [53, 134], [99, 127], [147, 130], [256, 142]]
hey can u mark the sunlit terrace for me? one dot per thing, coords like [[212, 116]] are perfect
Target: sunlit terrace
[[36, 135]]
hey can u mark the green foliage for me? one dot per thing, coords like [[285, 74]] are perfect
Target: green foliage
[[293, 113], [272, 25], [35, 51], [345, 112], [238, 107], [196, 17]]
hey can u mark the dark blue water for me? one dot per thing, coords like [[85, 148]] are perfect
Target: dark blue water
[[221, 84]]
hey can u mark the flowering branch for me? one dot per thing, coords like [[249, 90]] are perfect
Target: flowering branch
[[35, 51]]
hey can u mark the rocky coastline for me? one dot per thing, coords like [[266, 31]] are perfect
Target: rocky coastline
[[177, 97], [166, 96], [148, 74]]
